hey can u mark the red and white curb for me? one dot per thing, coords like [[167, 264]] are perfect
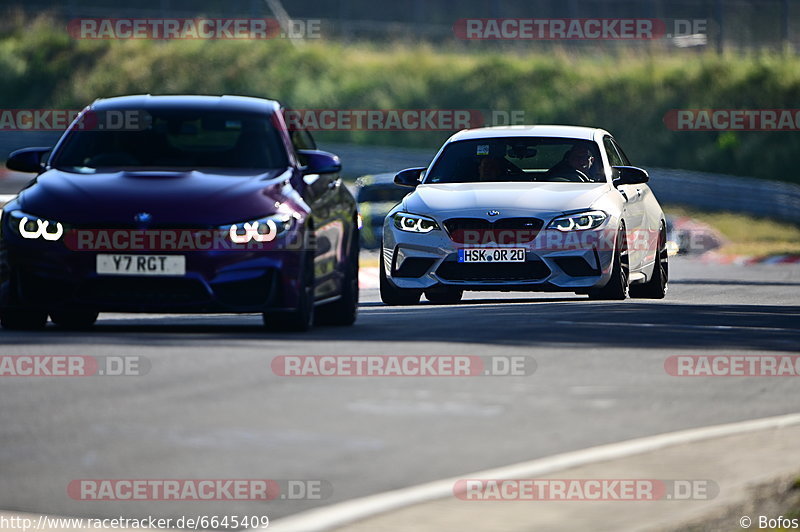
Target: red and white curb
[[704, 239], [714, 257]]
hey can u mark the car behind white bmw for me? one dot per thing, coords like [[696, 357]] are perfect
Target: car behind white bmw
[[525, 208]]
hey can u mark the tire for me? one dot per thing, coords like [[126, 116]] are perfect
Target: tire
[[23, 320], [300, 319], [74, 319], [444, 295], [391, 295], [616, 289], [656, 287], [343, 311]]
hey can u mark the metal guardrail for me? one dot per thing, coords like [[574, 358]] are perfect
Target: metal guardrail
[[703, 190], [758, 197]]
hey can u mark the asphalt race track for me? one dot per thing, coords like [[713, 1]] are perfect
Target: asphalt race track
[[211, 406]]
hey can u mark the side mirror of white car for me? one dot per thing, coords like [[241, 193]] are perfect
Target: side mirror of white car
[[628, 175], [409, 177]]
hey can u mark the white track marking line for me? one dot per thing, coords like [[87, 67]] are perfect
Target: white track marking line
[[679, 326], [340, 514]]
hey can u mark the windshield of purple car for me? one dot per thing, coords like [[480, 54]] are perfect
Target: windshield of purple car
[[174, 139], [518, 159]]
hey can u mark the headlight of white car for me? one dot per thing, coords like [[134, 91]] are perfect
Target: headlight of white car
[[32, 227], [414, 223], [579, 221], [264, 229]]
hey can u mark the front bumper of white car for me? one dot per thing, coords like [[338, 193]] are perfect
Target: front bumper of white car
[[573, 261]]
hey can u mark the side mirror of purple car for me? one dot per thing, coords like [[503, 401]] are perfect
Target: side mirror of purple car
[[27, 160], [320, 162]]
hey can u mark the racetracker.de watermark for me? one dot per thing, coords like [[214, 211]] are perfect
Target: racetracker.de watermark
[[250, 236], [555, 240], [322, 119], [579, 29], [733, 365], [60, 119], [732, 119], [73, 366], [193, 28], [383, 119], [595, 489], [403, 366], [208, 489]]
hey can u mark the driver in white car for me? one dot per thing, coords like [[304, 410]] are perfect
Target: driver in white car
[[575, 166]]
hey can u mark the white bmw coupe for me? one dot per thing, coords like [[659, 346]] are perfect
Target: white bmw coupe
[[525, 208]]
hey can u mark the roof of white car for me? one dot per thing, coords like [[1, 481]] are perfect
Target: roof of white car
[[572, 132]]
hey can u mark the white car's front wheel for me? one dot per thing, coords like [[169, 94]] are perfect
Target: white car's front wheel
[[656, 287], [617, 286], [392, 295]]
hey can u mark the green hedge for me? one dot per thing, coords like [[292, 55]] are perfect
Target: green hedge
[[625, 92]]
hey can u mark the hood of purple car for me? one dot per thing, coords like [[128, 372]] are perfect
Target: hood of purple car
[[192, 197]]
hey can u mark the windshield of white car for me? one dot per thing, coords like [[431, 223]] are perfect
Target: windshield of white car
[[523, 159], [174, 139]]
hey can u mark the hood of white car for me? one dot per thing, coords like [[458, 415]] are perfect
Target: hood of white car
[[544, 197]]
